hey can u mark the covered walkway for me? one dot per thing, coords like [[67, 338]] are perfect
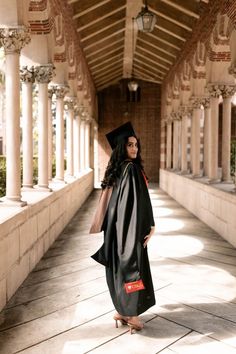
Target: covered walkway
[[63, 307]]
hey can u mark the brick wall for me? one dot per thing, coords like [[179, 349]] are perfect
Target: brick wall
[[114, 110]]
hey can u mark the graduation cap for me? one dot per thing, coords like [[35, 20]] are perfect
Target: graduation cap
[[117, 135]]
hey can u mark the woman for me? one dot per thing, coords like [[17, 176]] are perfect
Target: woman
[[128, 226]]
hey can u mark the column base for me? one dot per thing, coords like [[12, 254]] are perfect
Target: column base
[[213, 180], [39, 188], [58, 180], [229, 181], [12, 202], [27, 188]]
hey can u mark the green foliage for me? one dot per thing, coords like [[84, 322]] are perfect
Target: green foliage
[[233, 158], [35, 173]]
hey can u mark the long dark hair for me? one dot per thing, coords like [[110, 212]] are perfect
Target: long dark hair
[[118, 156]]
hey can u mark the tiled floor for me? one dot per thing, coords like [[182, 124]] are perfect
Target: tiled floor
[[64, 307]]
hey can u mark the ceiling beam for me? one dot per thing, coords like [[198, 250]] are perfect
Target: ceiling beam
[[82, 13], [149, 72], [157, 56], [108, 73], [181, 8], [109, 78], [100, 18], [105, 61], [109, 82], [163, 40], [170, 19], [133, 7], [101, 30], [159, 48], [171, 33], [152, 69], [104, 55], [104, 38], [105, 67], [105, 47]]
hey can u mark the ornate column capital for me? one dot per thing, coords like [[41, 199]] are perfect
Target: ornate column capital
[[206, 102], [227, 90], [214, 90], [13, 39], [50, 92], [196, 102], [70, 103], [175, 116], [185, 110], [27, 74], [61, 91], [44, 73]]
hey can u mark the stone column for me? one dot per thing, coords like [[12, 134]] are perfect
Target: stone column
[[87, 143], [43, 75], [27, 79], [176, 143], [92, 125], [206, 137], [70, 105], [227, 93], [169, 144], [214, 132], [82, 144], [60, 92], [184, 140], [195, 134], [13, 40], [50, 133], [76, 144]]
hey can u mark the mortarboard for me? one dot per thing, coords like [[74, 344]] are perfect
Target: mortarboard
[[115, 136]]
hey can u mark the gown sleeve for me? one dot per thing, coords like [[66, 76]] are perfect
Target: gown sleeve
[[127, 225]]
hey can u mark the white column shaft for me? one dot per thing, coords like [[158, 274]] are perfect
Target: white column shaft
[[184, 141], [82, 147], [169, 145], [176, 146], [226, 139], [196, 142], [50, 139], [207, 113], [13, 179], [213, 138], [76, 145], [43, 136], [27, 134], [60, 139], [69, 142], [87, 145]]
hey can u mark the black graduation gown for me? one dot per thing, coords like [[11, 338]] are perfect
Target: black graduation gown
[[128, 220]]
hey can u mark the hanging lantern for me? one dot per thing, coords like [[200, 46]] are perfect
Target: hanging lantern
[[146, 20]]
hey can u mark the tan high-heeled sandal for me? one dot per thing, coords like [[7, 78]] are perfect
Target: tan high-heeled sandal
[[137, 326], [123, 320]]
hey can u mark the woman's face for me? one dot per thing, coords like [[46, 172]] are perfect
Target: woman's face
[[132, 147]]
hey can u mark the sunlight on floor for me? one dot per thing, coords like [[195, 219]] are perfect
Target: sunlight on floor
[[178, 246], [170, 224]]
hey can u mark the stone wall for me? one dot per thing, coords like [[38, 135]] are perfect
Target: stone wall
[[214, 207], [27, 233], [115, 109]]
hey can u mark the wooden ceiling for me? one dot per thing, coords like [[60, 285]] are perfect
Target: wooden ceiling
[[115, 49]]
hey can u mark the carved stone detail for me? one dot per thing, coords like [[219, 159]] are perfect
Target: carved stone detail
[[196, 102], [27, 74], [228, 91], [13, 39], [61, 91], [214, 90], [44, 73], [70, 103], [206, 102]]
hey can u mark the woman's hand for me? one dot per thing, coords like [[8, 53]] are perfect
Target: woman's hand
[[147, 238]]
